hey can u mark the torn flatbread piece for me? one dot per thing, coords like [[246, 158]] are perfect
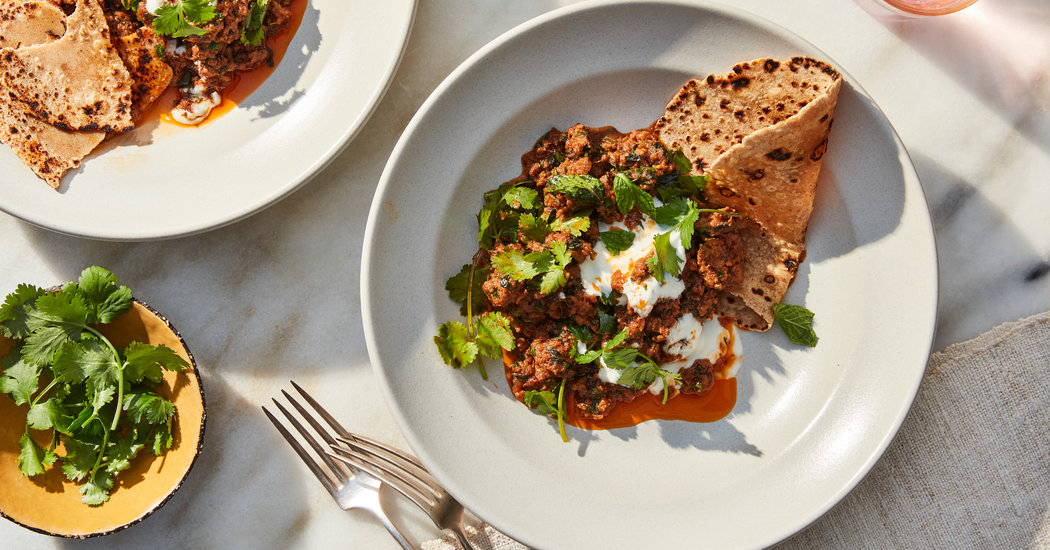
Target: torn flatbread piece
[[151, 75], [760, 133], [50, 152], [25, 23], [77, 82]]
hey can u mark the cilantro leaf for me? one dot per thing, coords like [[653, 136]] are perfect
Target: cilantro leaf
[[146, 407], [457, 287], [145, 361], [494, 334], [454, 345], [545, 402], [20, 380], [521, 198], [796, 322], [516, 264], [180, 20], [31, 458], [252, 32], [104, 297], [96, 490], [14, 313], [575, 226], [617, 240]]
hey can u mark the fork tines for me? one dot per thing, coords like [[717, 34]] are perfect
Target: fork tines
[[337, 472], [401, 471]]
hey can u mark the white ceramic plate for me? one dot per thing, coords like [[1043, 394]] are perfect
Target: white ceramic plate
[[162, 181], [808, 424]]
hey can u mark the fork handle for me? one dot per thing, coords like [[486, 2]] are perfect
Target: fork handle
[[394, 532]]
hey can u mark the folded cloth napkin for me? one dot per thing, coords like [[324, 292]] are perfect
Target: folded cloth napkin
[[970, 467]]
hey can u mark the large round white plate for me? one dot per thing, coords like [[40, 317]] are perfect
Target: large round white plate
[[808, 424], [162, 181]]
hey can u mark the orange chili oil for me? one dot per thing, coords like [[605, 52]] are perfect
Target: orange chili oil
[[709, 406]]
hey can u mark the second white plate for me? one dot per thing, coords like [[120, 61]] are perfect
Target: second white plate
[[162, 181]]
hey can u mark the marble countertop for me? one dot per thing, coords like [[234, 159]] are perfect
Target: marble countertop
[[276, 296]]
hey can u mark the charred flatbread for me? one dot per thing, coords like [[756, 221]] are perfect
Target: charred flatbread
[[50, 152], [760, 133], [77, 82]]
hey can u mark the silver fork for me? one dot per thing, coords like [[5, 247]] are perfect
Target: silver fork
[[407, 475], [351, 489]]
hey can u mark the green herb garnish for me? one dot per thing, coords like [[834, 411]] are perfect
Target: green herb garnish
[[637, 370], [548, 404], [617, 240], [522, 266], [97, 401], [796, 322], [582, 189], [459, 349], [628, 194], [252, 31], [182, 19]]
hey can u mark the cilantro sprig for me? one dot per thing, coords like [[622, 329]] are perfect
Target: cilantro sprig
[[184, 18], [99, 402], [459, 348], [637, 370], [680, 214]]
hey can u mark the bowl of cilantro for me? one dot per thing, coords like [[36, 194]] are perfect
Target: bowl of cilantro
[[101, 413]]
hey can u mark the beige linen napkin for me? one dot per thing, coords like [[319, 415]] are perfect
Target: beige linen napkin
[[970, 467]]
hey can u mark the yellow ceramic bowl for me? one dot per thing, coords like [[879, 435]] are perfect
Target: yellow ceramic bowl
[[50, 504]]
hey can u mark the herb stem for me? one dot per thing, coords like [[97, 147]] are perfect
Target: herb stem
[[561, 411], [42, 393], [470, 309]]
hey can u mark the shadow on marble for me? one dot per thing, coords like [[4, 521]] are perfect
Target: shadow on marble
[[989, 273], [997, 49]]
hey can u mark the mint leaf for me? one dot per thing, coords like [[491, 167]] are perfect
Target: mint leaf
[[628, 195], [796, 322], [582, 189], [617, 240]]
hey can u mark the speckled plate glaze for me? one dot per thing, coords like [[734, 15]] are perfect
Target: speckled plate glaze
[[163, 181], [50, 504], [808, 423]]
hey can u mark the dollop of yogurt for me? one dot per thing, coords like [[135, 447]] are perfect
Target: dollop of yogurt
[[690, 338], [195, 105]]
